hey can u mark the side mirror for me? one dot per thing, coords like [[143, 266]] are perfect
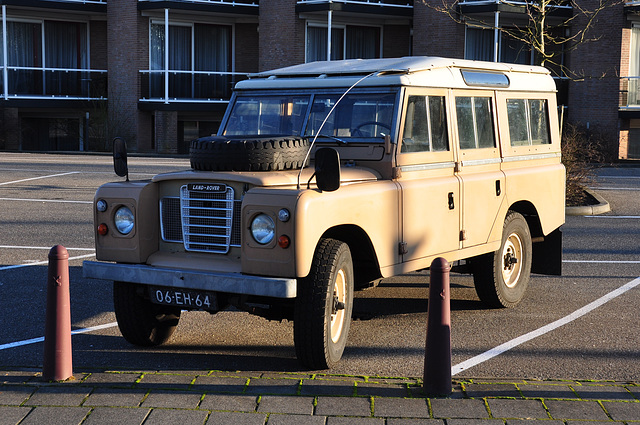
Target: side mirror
[[327, 169], [120, 157]]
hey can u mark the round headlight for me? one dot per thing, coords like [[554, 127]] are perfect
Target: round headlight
[[124, 220], [263, 229]]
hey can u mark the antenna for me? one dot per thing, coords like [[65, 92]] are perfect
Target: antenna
[[325, 120]]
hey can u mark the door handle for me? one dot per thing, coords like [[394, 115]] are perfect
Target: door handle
[[498, 189], [451, 203]]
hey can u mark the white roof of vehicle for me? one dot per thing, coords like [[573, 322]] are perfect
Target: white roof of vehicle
[[422, 71]]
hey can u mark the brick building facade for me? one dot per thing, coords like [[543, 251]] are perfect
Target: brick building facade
[[160, 73]]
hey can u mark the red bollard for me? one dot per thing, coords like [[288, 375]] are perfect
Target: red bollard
[[57, 334], [437, 360]]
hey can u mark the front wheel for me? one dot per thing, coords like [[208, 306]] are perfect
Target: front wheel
[[323, 306], [501, 278], [140, 321]]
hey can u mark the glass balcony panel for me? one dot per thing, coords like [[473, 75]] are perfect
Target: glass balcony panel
[[25, 82], [189, 85], [223, 2], [36, 82], [516, 2], [368, 2], [633, 97]]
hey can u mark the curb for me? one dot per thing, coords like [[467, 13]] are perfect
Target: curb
[[600, 208], [274, 398]]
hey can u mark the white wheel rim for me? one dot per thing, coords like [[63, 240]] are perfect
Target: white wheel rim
[[337, 316], [511, 269]]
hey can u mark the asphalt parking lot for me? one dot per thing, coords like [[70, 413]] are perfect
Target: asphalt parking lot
[[582, 325]]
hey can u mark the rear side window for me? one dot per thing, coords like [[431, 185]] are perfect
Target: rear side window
[[528, 124], [475, 122], [425, 127]]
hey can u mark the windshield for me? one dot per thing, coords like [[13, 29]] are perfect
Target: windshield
[[358, 115], [267, 115]]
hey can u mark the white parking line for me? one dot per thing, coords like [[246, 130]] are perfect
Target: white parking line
[[41, 339], [39, 263], [502, 348], [111, 173], [43, 247], [613, 216], [615, 188], [41, 177], [46, 200], [603, 261]]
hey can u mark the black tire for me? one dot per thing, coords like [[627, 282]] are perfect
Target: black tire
[[221, 154], [323, 306], [140, 321], [501, 278]]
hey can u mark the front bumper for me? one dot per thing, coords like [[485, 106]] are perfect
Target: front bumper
[[234, 283]]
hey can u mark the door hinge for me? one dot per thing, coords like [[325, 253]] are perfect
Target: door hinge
[[463, 235], [396, 173], [402, 248]]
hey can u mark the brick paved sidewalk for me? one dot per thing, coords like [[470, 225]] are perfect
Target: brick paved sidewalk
[[246, 398]]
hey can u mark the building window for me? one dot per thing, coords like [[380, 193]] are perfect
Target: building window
[[198, 62], [479, 45], [347, 42], [64, 49], [633, 98], [317, 43]]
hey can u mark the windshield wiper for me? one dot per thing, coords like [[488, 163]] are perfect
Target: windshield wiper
[[343, 142]]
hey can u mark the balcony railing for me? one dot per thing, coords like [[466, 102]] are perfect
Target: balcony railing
[[221, 2], [556, 3], [388, 3], [188, 86], [53, 83], [630, 92], [80, 1]]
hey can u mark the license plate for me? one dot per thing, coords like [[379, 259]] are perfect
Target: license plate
[[186, 298]]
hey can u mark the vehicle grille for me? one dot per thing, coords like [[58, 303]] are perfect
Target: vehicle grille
[[202, 221]]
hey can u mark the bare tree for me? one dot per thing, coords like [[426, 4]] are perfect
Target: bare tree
[[549, 29]]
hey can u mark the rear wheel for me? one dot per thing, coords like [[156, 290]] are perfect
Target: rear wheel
[[140, 321], [501, 278], [323, 306]]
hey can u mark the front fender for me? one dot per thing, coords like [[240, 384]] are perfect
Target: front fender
[[371, 206]]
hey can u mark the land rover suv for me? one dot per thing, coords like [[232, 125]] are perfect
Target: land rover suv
[[327, 176]]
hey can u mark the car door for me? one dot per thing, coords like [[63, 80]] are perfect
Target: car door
[[479, 166], [430, 191]]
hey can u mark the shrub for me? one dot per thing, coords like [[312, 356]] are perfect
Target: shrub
[[583, 150]]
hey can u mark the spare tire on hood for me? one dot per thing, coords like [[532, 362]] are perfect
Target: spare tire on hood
[[218, 153]]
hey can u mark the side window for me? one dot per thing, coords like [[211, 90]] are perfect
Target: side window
[[425, 127], [475, 122], [538, 118], [517, 114], [528, 123]]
